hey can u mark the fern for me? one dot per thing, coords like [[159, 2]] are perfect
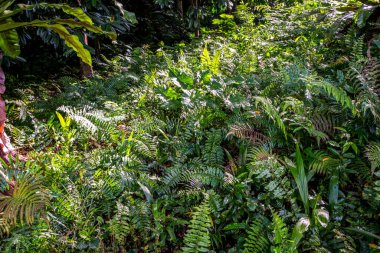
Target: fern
[[376, 188], [193, 176], [119, 225], [320, 162], [372, 152], [245, 131], [211, 64], [324, 122], [90, 119], [131, 220], [197, 237], [213, 153], [272, 112], [337, 93], [24, 200], [364, 82], [257, 240], [280, 234], [261, 153], [4, 227]]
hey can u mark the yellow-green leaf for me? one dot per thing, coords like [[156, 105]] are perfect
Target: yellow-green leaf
[[71, 41], [76, 12], [9, 42]]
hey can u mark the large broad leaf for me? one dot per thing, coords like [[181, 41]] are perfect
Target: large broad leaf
[[9, 43], [71, 41], [78, 24], [333, 190], [69, 22], [299, 175], [13, 25], [76, 12]]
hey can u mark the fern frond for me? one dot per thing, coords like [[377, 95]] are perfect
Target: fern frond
[[272, 112], [245, 131], [90, 119], [365, 82], [4, 227], [320, 161], [213, 153], [22, 203], [260, 153], [372, 152], [280, 231], [324, 122], [144, 145], [197, 237], [131, 220], [190, 177], [119, 225], [257, 239], [337, 93], [211, 64]]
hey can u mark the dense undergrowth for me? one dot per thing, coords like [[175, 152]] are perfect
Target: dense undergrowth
[[261, 137]]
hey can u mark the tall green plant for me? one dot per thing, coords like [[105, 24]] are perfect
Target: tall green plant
[[299, 176]]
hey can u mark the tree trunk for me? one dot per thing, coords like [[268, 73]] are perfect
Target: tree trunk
[[85, 69], [180, 7], [197, 31]]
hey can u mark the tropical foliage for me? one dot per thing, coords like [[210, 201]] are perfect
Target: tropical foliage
[[260, 136]]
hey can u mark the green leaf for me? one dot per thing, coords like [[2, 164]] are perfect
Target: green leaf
[[333, 190], [5, 4], [9, 43], [61, 120], [76, 12], [146, 191], [235, 226], [172, 94], [298, 231], [362, 15], [377, 43], [131, 17], [337, 93], [84, 20], [78, 24], [71, 41], [181, 76], [299, 175], [363, 232]]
